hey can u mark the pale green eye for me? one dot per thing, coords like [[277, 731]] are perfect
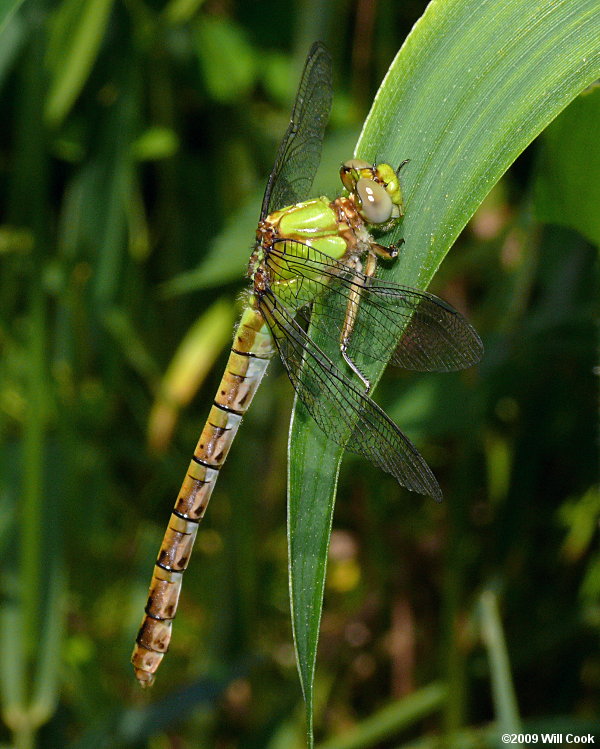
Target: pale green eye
[[376, 204]]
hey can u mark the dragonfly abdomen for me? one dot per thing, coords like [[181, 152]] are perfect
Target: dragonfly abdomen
[[252, 349]]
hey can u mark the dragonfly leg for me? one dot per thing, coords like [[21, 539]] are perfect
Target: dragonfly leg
[[387, 253], [353, 367], [352, 307]]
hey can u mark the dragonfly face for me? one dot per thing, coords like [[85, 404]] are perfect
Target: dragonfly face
[[375, 189]]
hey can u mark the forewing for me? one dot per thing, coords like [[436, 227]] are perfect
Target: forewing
[[341, 410], [299, 153], [432, 335]]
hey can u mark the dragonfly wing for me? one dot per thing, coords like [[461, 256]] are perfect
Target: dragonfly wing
[[341, 410], [299, 153], [432, 335], [437, 337]]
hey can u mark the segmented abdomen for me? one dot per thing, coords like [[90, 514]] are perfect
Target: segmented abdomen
[[252, 348]]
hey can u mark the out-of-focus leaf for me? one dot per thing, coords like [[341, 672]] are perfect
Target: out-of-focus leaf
[[226, 58], [46, 686], [75, 39], [139, 233], [156, 143], [390, 720], [110, 175], [275, 76], [12, 659], [132, 725], [227, 257], [564, 192], [180, 11], [581, 518], [503, 692], [191, 363], [7, 9], [15, 239], [590, 589], [498, 457], [471, 87], [427, 405], [133, 348], [12, 34]]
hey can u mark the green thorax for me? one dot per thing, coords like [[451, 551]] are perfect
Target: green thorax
[[314, 223], [312, 227]]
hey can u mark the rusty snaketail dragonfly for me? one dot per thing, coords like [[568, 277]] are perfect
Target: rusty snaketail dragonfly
[[313, 256]]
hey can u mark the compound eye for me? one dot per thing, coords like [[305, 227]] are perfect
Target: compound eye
[[357, 164], [376, 204], [350, 172]]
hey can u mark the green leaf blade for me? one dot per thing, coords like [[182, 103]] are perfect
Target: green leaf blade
[[77, 34], [462, 103], [562, 193], [7, 9], [470, 89]]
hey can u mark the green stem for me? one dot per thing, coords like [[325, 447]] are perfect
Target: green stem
[[24, 737], [27, 207], [452, 604], [503, 691], [33, 452]]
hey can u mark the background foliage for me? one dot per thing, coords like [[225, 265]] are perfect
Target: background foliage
[[135, 142]]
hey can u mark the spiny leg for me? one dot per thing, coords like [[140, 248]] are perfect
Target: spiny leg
[[376, 250], [353, 367], [352, 307], [387, 253]]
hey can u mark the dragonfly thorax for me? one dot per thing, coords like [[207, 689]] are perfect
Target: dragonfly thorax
[[336, 228], [313, 223]]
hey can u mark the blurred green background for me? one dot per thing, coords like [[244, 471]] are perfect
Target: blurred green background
[[136, 139]]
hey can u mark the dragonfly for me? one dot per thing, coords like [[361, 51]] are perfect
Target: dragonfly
[[313, 260]]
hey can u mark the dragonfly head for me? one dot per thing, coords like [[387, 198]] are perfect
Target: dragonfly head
[[375, 189]]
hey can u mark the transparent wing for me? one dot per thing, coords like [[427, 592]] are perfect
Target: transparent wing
[[300, 150], [341, 410], [433, 335]]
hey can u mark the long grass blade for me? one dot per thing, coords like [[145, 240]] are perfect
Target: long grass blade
[[471, 87]]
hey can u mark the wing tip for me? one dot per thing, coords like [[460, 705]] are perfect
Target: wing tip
[[432, 489], [422, 481]]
